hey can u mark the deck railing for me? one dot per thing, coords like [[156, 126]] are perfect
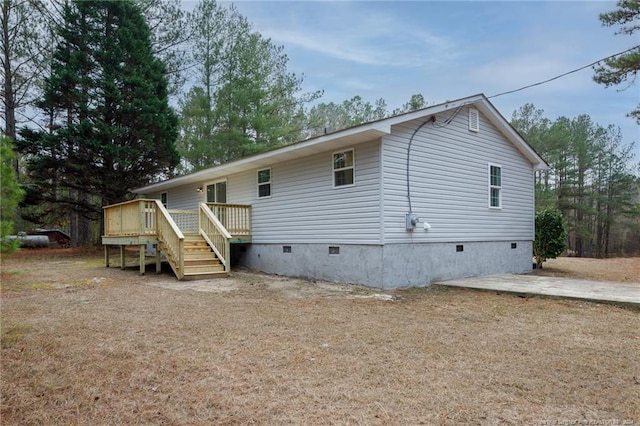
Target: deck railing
[[215, 233], [187, 220], [135, 217], [236, 218], [218, 223], [172, 239]]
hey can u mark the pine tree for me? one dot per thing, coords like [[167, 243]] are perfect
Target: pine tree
[[111, 127], [592, 181], [625, 67], [245, 100], [10, 194]]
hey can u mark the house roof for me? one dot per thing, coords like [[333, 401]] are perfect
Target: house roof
[[351, 136]]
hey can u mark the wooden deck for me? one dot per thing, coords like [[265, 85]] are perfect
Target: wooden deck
[[145, 222]]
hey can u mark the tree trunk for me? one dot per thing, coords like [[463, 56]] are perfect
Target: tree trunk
[[9, 99]]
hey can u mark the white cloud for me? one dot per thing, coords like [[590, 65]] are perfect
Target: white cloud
[[356, 33], [448, 50]]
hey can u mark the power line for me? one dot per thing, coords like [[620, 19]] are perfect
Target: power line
[[566, 73]]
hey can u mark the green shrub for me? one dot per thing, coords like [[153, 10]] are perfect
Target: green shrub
[[551, 236]]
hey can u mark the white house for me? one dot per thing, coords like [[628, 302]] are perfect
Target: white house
[[440, 193]]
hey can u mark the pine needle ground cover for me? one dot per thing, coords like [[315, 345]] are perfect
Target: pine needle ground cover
[[83, 344]]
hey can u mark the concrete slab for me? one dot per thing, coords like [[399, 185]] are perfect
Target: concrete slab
[[554, 286]]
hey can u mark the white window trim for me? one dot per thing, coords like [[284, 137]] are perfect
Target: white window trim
[[490, 187], [165, 204], [258, 183], [213, 182], [334, 170]]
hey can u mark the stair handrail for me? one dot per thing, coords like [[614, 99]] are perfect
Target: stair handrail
[[216, 235], [172, 239]]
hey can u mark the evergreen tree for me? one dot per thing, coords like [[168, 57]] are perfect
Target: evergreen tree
[[593, 181], [625, 67], [22, 51], [416, 102], [534, 128], [170, 30], [10, 194], [24, 41], [245, 100], [111, 127], [332, 117]]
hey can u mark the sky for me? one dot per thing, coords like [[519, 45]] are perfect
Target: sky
[[447, 50]]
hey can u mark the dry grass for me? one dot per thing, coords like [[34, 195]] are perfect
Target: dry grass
[[622, 269], [90, 345]]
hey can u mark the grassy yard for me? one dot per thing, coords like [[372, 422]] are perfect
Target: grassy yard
[[82, 344]]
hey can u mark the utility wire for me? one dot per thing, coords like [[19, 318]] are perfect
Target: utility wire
[[566, 73]]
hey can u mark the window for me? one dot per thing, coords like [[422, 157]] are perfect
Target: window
[[264, 183], [217, 192], [343, 173], [164, 199], [495, 186]]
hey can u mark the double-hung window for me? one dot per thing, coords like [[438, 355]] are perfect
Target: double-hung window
[[264, 183], [343, 168], [495, 186]]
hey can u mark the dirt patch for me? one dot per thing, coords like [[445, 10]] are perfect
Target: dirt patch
[[84, 344]]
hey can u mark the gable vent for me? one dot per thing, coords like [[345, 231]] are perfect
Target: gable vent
[[474, 120]]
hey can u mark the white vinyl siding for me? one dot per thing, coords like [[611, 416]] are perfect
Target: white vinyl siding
[[305, 207], [449, 186], [448, 175], [183, 197]]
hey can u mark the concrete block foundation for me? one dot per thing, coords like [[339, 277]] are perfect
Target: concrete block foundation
[[392, 265]]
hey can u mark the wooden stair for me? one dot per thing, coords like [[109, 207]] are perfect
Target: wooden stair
[[199, 260]]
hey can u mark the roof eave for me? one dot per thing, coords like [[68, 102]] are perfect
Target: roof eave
[[354, 135]]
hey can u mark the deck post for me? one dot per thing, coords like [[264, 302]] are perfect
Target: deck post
[[142, 258], [106, 255], [158, 259], [122, 265]]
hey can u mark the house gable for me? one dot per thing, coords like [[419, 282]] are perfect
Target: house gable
[[448, 182]]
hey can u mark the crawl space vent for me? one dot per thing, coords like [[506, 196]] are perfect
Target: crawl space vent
[[474, 120]]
